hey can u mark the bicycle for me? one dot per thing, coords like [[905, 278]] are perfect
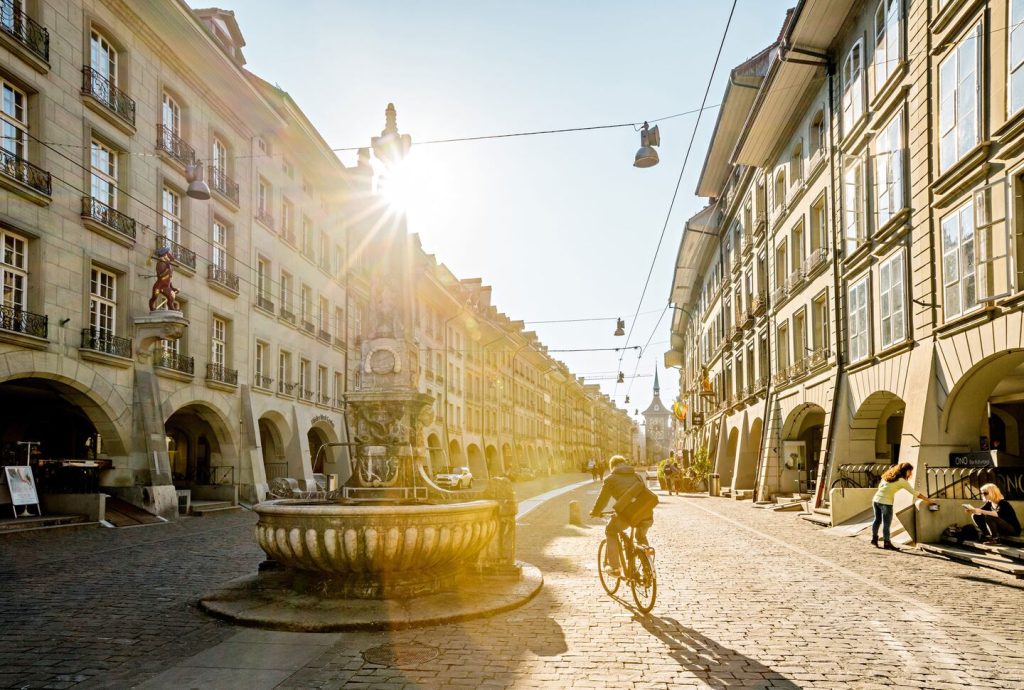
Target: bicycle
[[637, 568], [871, 480]]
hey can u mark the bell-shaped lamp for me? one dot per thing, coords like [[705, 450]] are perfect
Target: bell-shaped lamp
[[197, 187], [646, 156], [620, 327]]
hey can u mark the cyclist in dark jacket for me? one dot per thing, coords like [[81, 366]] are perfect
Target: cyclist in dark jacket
[[620, 480]]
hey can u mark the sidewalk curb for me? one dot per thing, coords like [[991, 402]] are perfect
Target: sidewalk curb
[[529, 505]]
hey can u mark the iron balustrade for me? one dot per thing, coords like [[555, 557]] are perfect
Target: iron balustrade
[[818, 357], [325, 399], [339, 341], [168, 141], [309, 327], [218, 372], [264, 303], [324, 335], [307, 393], [23, 29], [862, 475], [169, 359], [182, 255], [18, 320], [96, 210], [100, 87], [288, 316], [965, 482], [222, 184], [285, 387], [222, 276], [780, 378], [779, 294], [261, 381], [99, 340], [817, 259], [264, 216], [798, 369], [24, 172]]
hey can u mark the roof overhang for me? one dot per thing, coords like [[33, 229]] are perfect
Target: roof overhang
[[803, 62], [700, 238]]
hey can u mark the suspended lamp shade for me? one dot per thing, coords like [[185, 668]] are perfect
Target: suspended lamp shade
[[646, 156], [620, 327], [197, 187]]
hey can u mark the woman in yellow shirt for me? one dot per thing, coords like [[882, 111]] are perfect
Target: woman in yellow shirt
[[895, 478]]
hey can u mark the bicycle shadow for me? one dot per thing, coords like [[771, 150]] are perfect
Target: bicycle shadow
[[716, 665]]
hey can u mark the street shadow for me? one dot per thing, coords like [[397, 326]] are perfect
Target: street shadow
[[989, 581], [718, 666]]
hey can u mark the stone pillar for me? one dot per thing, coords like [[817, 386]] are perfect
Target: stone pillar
[[499, 557]]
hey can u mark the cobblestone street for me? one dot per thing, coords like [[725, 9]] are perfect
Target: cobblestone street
[[748, 599]]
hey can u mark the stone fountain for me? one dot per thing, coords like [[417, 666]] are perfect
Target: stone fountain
[[390, 548]]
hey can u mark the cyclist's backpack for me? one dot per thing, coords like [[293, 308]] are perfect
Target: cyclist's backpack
[[636, 504]]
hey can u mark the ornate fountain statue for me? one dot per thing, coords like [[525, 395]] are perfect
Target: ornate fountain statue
[[390, 532]]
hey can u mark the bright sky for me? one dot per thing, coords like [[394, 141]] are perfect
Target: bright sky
[[562, 226]]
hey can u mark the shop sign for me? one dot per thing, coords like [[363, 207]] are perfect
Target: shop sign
[[697, 418], [22, 487], [980, 458], [324, 418]]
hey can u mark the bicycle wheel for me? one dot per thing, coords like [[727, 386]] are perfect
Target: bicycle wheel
[[610, 584], [644, 582], [845, 483]]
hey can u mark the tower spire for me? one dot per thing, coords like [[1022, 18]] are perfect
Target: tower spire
[[657, 387]]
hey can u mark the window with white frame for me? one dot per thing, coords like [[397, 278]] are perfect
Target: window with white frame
[[218, 342], [219, 160], [219, 245], [796, 163], [304, 377], [887, 40], [307, 237], [307, 304], [819, 323], [819, 225], [103, 58], [261, 363], [325, 315], [782, 347], [13, 119], [817, 133], [284, 371], [853, 86], [321, 384], [959, 293], [103, 174], [339, 325], [287, 216], [102, 302], [889, 174], [263, 199], [170, 218], [263, 278], [857, 306], [14, 270], [959, 85], [286, 290], [892, 300], [170, 113], [1015, 52], [339, 387], [854, 230]]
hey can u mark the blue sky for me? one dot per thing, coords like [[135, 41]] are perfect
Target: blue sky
[[562, 226]]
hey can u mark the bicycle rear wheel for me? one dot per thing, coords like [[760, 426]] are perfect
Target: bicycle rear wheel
[[610, 583], [845, 483], [644, 582]]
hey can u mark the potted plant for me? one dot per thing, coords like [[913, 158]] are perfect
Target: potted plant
[[699, 469]]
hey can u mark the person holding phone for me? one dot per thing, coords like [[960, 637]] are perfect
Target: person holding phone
[[895, 478], [996, 517]]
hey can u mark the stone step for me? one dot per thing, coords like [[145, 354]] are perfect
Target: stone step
[[35, 522], [200, 508], [823, 511], [743, 494], [121, 513], [984, 560], [817, 519], [788, 507], [1015, 553]]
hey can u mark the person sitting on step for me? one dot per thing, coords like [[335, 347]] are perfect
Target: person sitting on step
[[996, 517]]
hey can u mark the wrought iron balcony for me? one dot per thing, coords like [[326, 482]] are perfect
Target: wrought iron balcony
[[106, 342], [222, 276], [817, 259], [223, 185], [96, 210], [168, 141], [758, 306], [218, 372], [325, 399], [285, 387], [264, 303], [339, 341], [24, 172], [287, 315], [307, 393], [795, 280], [798, 369], [261, 381], [265, 216], [760, 384], [324, 335], [309, 327], [18, 320], [185, 257], [325, 264], [818, 357], [780, 378], [23, 29], [169, 359], [117, 101]]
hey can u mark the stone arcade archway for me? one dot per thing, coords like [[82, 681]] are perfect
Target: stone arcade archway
[[876, 430], [199, 446], [455, 458], [746, 458], [800, 449], [506, 458], [274, 436], [435, 452], [985, 407], [493, 461], [477, 464], [727, 457]]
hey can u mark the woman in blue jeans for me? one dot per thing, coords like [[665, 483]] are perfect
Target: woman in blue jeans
[[895, 478]]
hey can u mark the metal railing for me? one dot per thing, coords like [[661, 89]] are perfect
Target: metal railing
[[261, 381], [324, 335], [817, 259], [18, 320], [99, 340], [779, 294], [25, 30], [24, 172], [100, 87], [222, 184], [965, 482], [169, 359], [818, 357], [287, 315], [222, 276], [286, 387], [96, 210], [218, 372], [798, 369], [222, 474], [168, 141], [307, 393], [264, 303], [339, 341], [795, 279], [758, 305], [309, 327], [324, 399], [860, 476], [265, 216], [182, 255], [780, 378]]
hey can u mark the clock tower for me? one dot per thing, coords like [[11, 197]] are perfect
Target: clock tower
[[658, 425]]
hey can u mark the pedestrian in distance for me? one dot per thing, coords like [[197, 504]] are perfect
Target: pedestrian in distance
[[895, 478], [592, 468], [672, 477], [996, 517]]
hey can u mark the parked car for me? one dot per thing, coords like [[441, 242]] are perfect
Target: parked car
[[651, 473], [458, 478]]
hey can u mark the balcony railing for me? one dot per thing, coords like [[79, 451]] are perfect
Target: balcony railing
[[287, 315], [24, 172], [309, 327], [185, 257], [324, 335], [307, 393], [758, 305], [265, 216], [18, 320], [779, 295], [817, 259], [261, 381], [798, 369], [780, 378], [222, 184], [339, 341], [219, 372], [285, 387], [795, 279], [760, 223], [23, 29], [818, 357], [117, 101], [169, 359], [103, 341], [168, 141], [264, 303], [324, 399], [761, 383], [96, 210], [222, 276]]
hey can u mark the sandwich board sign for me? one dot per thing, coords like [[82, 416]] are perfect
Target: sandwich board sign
[[22, 487]]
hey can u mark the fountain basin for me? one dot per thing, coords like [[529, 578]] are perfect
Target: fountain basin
[[375, 551]]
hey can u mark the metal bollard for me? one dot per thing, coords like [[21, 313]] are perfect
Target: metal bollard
[[575, 518], [715, 485]]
